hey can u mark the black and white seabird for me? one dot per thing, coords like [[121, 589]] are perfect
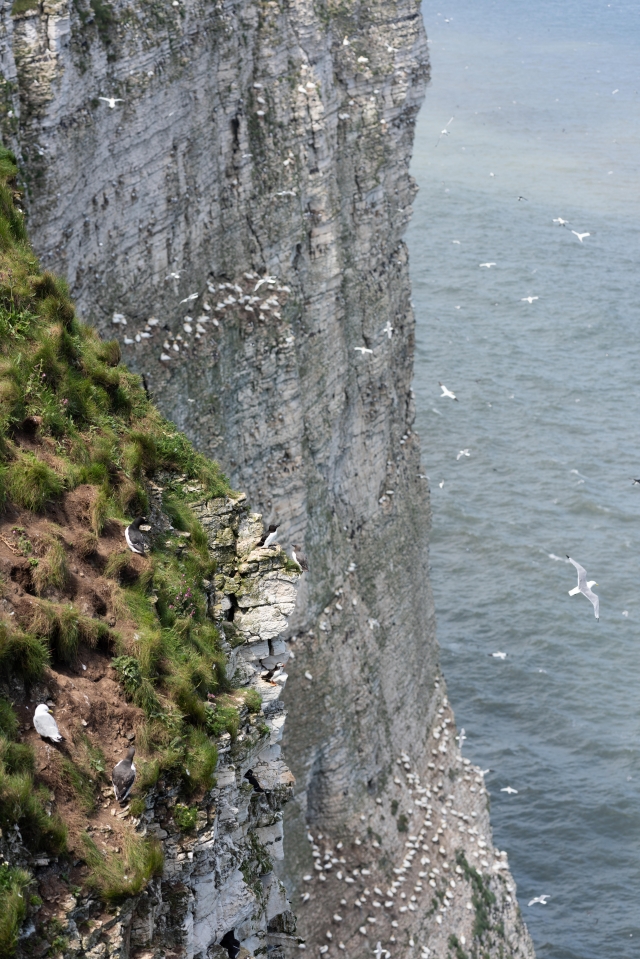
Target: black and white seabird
[[297, 557], [45, 725], [269, 537], [133, 536], [231, 944], [124, 776], [251, 777]]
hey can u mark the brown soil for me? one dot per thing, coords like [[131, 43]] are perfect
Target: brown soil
[[85, 698]]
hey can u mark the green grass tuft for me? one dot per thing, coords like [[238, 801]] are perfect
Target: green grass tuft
[[118, 876], [83, 785], [14, 883], [52, 571], [186, 817], [59, 623], [8, 720], [31, 483], [117, 566], [253, 700], [22, 6], [25, 655]]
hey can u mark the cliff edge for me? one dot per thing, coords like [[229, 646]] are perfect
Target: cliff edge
[[235, 215]]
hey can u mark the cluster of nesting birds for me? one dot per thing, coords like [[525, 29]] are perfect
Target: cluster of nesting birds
[[380, 907], [259, 298], [123, 774]]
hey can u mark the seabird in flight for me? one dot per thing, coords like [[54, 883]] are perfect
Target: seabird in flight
[[541, 899], [584, 587], [446, 392]]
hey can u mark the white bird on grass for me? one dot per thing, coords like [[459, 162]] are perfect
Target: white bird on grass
[[584, 587], [529, 299], [463, 453], [541, 899], [510, 790], [446, 392], [111, 101], [580, 236]]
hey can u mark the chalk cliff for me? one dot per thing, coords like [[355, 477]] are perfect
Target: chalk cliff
[[235, 217]]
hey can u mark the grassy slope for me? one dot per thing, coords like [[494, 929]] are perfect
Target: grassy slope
[[71, 416]]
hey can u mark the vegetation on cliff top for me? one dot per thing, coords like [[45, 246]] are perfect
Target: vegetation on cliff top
[[72, 421]]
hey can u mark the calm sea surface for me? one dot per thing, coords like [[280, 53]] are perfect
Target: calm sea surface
[[546, 97]]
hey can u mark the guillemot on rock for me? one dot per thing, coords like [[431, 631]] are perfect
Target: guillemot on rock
[[269, 537], [124, 776], [297, 557]]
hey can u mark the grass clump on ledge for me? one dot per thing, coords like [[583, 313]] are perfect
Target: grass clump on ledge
[[116, 876], [14, 883], [186, 817]]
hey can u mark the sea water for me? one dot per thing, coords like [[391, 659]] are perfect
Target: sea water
[[546, 106]]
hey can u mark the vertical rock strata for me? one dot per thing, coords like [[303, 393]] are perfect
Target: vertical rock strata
[[236, 219]]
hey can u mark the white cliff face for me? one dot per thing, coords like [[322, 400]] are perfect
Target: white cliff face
[[236, 221]]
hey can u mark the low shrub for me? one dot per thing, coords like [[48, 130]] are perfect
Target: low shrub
[[253, 700], [186, 817], [223, 718]]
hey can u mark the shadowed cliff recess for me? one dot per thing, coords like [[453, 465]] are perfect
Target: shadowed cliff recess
[[235, 219]]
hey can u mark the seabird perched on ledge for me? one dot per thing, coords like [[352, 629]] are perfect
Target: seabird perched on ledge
[[45, 725], [269, 537], [297, 557], [133, 536], [124, 776]]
